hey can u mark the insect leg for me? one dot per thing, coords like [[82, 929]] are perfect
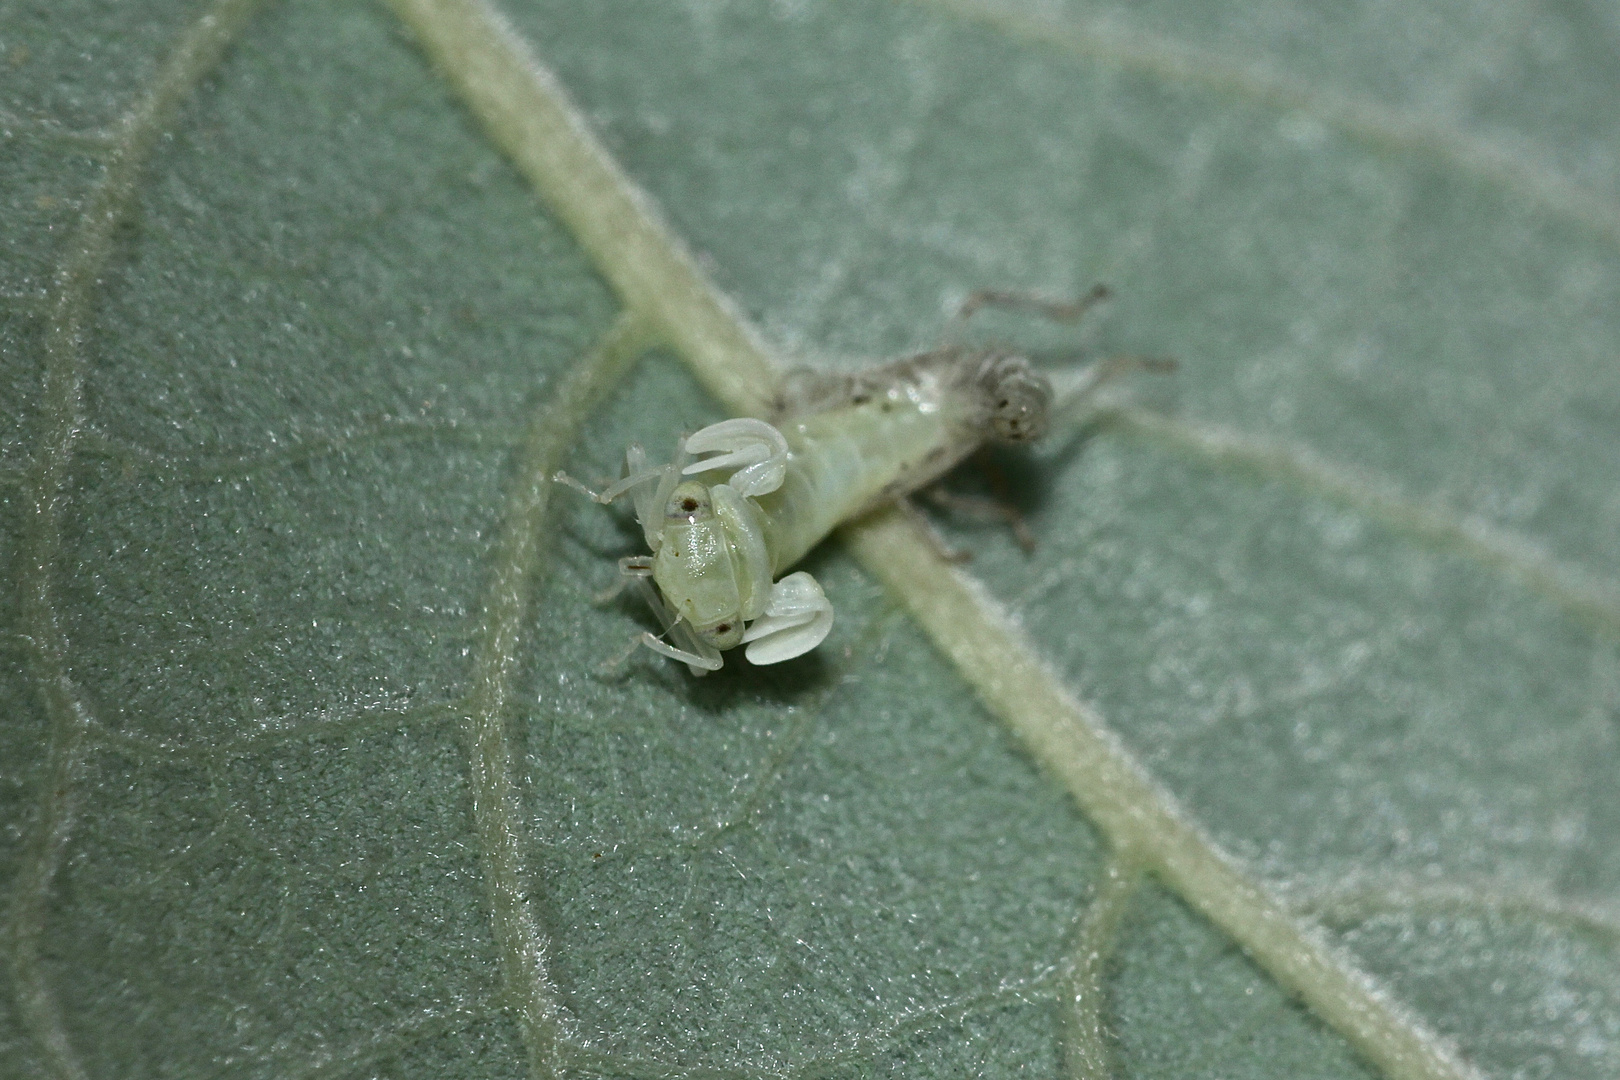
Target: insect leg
[[637, 474], [649, 499], [700, 665], [560, 477], [699, 657], [797, 618], [641, 496], [631, 567], [613, 663], [635, 477], [1056, 310], [1076, 392], [984, 510], [754, 448], [944, 551]]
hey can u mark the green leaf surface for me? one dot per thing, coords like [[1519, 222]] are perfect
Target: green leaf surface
[[308, 766]]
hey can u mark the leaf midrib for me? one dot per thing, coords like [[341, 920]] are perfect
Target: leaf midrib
[[528, 115]]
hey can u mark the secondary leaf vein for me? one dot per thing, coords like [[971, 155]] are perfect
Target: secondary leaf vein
[[73, 288]]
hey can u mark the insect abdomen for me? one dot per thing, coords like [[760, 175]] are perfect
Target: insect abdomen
[[848, 460]]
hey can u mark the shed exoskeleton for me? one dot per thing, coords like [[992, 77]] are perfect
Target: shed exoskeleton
[[745, 499]]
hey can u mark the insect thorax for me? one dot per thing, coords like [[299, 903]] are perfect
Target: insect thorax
[[711, 564]]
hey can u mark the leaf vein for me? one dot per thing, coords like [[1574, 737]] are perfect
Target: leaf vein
[[524, 948], [73, 288], [529, 115], [1375, 125]]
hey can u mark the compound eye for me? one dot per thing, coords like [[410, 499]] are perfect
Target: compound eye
[[724, 635], [689, 502]]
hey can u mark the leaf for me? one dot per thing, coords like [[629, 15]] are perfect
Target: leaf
[[308, 766]]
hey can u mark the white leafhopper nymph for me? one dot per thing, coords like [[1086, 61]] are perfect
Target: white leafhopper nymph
[[745, 499]]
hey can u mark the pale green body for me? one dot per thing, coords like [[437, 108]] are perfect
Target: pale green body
[[846, 460], [840, 446], [715, 571]]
